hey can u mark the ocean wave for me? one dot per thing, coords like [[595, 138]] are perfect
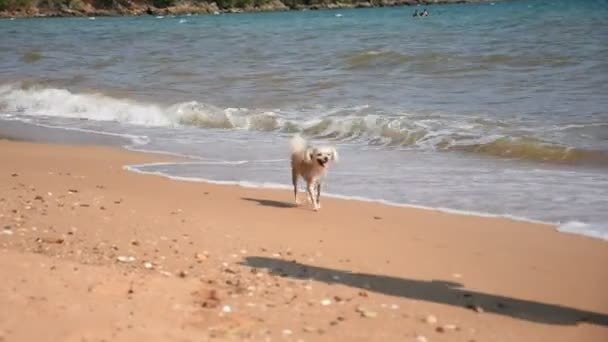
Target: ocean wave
[[36, 100], [375, 58], [442, 62], [432, 132]]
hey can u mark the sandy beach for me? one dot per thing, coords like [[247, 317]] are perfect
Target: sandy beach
[[92, 252]]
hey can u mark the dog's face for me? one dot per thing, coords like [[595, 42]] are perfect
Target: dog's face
[[322, 155]]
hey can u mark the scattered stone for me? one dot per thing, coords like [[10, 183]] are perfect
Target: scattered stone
[[72, 191], [7, 232], [166, 274], [287, 332], [84, 205], [123, 258], [475, 308], [421, 338], [39, 198], [457, 275], [326, 302], [14, 175], [102, 207], [446, 328], [394, 306], [226, 309], [363, 294], [183, 274], [377, 218], [309, 329], [337, 299], [366, 313], [49, 193], [430, 319], [148, 265], [49, 240]]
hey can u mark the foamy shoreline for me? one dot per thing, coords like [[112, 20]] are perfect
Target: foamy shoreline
[[17, 130]]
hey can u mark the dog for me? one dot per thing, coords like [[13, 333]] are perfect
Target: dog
[[311, 164]]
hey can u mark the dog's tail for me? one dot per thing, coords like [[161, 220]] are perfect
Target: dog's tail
[[298, 144]]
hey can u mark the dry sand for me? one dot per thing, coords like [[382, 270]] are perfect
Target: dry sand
[[91, 252]]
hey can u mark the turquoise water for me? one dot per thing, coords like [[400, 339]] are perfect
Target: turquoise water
[[497, 108]]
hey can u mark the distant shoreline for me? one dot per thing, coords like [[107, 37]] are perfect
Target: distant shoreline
[[80, 8]]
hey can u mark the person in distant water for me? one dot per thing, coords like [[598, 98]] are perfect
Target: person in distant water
[[425, 13], [416, 14]]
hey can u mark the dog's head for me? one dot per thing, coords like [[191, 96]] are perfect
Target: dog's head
[[321, 155]]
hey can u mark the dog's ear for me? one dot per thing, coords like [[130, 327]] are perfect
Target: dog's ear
[[334, 154], [309, 154]]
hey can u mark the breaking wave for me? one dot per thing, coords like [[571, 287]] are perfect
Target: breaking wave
[[33, 100], [433, 132]]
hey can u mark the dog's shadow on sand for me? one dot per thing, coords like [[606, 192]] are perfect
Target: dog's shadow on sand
[[436, 291], [269, 203]]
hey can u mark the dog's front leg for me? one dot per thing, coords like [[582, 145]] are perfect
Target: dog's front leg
[[311, 194]]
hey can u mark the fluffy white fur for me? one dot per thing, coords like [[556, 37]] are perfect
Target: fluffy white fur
[[311, 164]]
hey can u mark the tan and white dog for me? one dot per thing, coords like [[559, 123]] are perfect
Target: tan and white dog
[[311, 164]]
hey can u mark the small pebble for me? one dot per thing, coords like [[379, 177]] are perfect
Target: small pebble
[[446, 328], [366, 313], [287, 332], [326, 302], [226, 309], [475, 308], [421, 338], [123, 258], [148, 265], [430, 319]]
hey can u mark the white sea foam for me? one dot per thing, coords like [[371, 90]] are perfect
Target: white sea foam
[[350, 124], [53, 102], [581, 228]]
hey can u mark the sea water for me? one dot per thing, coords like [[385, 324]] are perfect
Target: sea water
[[492, 108]]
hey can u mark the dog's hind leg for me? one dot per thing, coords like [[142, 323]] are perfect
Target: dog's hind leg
[[294, 180], [319, 195]]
